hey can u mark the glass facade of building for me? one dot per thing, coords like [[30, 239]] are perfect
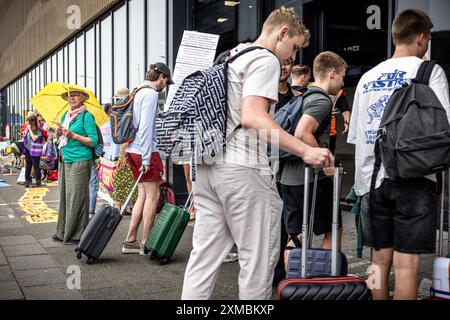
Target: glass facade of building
[[116, 50], [109, 54]]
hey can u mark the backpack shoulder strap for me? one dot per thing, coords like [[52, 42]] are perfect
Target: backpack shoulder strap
[[132, 96], [425, 71], [135, 91], [247, 50], [312, 91]]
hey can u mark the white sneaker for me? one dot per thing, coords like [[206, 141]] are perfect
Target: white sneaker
[[231, 257], [142, 249]]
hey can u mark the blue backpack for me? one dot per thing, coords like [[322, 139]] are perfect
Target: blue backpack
[[289, 116]]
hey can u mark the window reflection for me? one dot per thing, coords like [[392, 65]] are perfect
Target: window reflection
[[72, 63], [136, 42], [120, 48], [235, 23], [106, 60], [90, 60], [81, 76], [156, 31]]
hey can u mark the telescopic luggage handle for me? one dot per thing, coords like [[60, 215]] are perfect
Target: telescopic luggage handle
[[313, 209], [305, 219], [189, 202], [441, 216], [338, 172], [337, 185], [125, 205]]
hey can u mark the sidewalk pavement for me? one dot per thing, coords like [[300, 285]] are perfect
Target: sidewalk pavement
[[34, 267]]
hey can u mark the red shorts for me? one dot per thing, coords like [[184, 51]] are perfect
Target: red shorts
[[156, 167]]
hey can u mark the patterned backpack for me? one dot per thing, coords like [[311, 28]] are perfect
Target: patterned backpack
[[195, 124]]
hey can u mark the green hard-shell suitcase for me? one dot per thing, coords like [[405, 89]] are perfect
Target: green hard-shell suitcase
[[167, 231]]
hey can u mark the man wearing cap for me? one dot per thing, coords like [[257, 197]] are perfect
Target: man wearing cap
[[143, 155]]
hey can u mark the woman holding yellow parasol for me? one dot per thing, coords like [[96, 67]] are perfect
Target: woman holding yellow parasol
[[77, 136], [74, 111]]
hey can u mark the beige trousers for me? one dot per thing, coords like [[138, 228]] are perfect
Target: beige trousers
[[235, 205]]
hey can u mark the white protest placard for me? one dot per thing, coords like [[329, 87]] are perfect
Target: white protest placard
[[196, 53]]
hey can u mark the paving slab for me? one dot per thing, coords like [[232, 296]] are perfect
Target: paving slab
[[17, 240], [24, 250], [31, 262], [33, 278], [9, 290], [6, 274], [12, 225], [3, 261], [51, 292], [50, 243]]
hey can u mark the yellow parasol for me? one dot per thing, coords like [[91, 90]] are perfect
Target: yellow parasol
[[51, 105]]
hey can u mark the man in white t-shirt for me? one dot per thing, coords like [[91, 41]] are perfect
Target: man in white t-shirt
[[405, 213], [237, 200]]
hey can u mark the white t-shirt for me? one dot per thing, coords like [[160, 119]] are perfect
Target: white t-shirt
[[371, 98], [145, 110], [111, 149], [255, 73]]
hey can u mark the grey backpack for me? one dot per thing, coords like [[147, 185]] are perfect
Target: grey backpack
[[289, 116], [122, 127]]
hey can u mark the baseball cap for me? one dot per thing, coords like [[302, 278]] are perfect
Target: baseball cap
[[164, 69]]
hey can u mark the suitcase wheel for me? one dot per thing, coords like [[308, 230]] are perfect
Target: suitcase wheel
[[163, 261], [153, 255], [79, 255], [91, 261], [146, 250]]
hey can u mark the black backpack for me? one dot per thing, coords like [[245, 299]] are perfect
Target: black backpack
[[122, 127], [289, 116], [414, 135]]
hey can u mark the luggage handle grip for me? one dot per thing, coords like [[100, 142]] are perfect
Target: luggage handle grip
[[125, 205]]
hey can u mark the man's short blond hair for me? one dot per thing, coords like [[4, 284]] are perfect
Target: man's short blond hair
[[287, 17], [326, 62]]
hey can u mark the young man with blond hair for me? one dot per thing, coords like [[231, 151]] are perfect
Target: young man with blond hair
[[237, 201], [403, 222], [314, 129]]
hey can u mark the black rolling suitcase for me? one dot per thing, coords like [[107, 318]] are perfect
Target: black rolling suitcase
[[319, 260], [100, 230], [325, 287]]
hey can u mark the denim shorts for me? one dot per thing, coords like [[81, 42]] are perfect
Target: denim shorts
[[404, 218]]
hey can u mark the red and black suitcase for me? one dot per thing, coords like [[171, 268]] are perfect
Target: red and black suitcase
[[100, 230], [323, 288]]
